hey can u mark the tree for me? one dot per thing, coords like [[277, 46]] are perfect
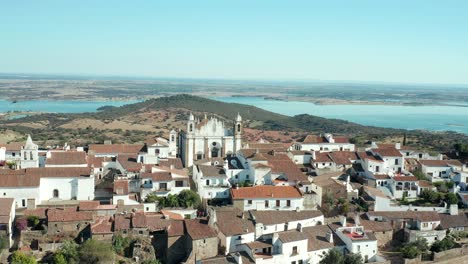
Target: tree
[[451, 198], [189, 198], [410, 251], [59, 258], [121, 244], [20, 258], [419, 174], [94, 251], [69, 250], [449, 184], [430, 196], [33, 220], [352, 258], [333, 256], [4, 242], [442, 245], [151, 198]]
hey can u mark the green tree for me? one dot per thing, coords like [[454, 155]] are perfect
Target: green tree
[[449, 184], [33, 220], [419, 174], [430, 196], [69, 250], [94, 251], [352, 258], [333, 256], [19, 257], [172, 200], [451, 198], [59, 258], [442, 245], [121, 244], [410, 251], [189, 198], [4, 242], [151, 198]]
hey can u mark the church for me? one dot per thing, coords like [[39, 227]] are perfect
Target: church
[[209, 138]]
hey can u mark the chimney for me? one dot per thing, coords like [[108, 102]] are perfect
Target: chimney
[[357, 220], [343, 220], [299, 227], [237, 256], [275, 238], [329, 236]]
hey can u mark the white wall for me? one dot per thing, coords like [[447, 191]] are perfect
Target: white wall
[[80, 188], [20, 194]]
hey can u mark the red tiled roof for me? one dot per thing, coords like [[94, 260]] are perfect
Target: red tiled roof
[[65, 172], [405, 178], [158, 176], [441, 163], [115, 149], [311, 139], [67, 215], [40, 212], [5, 206], [343, 157], [66, 158], [368, 155], [425, 184], [129, 162], [322, 157], [175, 228], [13, 146], [102, 225], [172, 215], [121, 187], [266, 191], [199, 229], [176, 162], [388, 152], [122, 222], [88, 205]]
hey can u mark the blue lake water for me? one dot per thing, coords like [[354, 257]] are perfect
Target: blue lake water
[[434, 118], [58, 106]]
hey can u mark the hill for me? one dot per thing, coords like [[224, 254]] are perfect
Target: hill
[[134, 122]]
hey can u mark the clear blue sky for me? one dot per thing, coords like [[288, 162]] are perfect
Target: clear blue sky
[[398, 41]]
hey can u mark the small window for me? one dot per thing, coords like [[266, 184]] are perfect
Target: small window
[[294, 250], [140, 232], [23, 202], [288, 203], [249, 202], [179, 183], [266, 204], [278, 203]]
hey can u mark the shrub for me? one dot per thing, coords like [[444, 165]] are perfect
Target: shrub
[[20, 258], [442, 245], [33, 220]]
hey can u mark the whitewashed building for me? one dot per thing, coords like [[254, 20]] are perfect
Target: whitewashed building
[[209, 138]]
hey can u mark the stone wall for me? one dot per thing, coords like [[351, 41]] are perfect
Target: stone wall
[[205, 248], [416, 260], [452, 253], [383, 238]]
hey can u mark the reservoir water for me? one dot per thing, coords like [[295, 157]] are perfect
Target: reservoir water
[[68, 106], [434, 118]]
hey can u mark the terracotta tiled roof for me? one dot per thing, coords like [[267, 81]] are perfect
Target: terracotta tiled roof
[[102, 225], [199, 229], [175, 228], [13, 146], [121, 187], [322, 157], [419, 215], [368, 155], [233, 222], [375, 226], [66, 158], [317, 238], [453, 221], [279, 217], [88, 205], [158, 176], [292, 236], [114, 149], [122, 222], [171, 215], [67, 215], [19, 180], [266, 191], [425, 184], [312, 139], [40, 212], [405, 178], [270, 146], [159, 141], [381, 176], [441, 163], [388, 152], [5, 208], [258, 245], [129, 162], [214, 171], [176, 162], [65, 172], [343, 157]]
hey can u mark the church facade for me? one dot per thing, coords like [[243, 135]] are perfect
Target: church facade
[[209, 138]]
